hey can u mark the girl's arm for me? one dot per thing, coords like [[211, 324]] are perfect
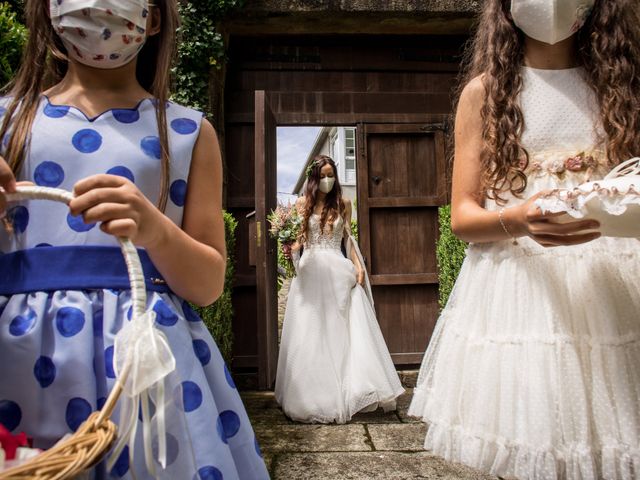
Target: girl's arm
[[473, 223], [354, 256], [192, 259]]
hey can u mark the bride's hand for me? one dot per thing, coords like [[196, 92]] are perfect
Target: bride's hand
[[360, 276], [541, 227]]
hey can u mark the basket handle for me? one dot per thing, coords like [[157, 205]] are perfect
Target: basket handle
[[129, 252]]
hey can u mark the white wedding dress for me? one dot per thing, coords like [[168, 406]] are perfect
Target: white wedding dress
[[333, 359], [533, 370]]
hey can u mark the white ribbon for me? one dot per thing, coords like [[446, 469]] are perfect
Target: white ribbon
[[142, 355]]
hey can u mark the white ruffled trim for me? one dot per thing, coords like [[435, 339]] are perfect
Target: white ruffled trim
[[499, 456]]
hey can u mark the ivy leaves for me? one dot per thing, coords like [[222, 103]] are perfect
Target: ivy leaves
[[13, 36], [200, 50]]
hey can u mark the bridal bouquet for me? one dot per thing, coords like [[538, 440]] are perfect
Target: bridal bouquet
[[285, 224]]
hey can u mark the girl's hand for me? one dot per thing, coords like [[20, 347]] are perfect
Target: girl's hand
[[286, 250], [7, 182], [121, 207], [542, 228]]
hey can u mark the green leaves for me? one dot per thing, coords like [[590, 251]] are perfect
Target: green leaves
[[13, 36], [200, 50], [450, 252]]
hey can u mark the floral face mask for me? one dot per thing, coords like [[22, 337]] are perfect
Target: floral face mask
[[101, 33]]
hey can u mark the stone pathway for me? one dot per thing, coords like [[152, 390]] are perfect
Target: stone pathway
[[374, 445]]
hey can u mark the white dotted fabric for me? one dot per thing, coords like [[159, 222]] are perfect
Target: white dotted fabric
[[534, 367]]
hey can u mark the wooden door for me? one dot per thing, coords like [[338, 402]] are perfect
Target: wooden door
[[266, 253], [401, 183]]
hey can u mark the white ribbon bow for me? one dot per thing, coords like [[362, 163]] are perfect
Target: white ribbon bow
[[142, 355]]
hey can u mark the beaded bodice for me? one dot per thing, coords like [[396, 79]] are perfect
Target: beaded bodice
[[328, 238]]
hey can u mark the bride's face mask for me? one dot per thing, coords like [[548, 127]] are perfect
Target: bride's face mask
[[101, 33], [550, 21], [326, 184]]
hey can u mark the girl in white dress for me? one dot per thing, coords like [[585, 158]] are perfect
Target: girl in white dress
[[534, 368], [333, 359]]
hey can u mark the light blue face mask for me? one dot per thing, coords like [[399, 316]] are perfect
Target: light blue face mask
[[550, 21]]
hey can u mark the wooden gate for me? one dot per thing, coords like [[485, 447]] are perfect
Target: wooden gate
[[266, 248], [401, 183]]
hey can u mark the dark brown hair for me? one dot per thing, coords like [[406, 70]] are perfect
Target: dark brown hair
[[333, 204], [608, 47], [45, 64]]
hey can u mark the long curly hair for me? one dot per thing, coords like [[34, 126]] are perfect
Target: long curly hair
[[333, 204], [608, 47], [45, 62]]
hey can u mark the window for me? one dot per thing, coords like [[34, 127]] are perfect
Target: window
[[350, 155]]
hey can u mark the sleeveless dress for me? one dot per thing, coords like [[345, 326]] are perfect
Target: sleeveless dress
[[333, 360], [56, 354], [534, 368]]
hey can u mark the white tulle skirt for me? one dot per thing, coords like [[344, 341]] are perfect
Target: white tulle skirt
[[534, 368], [333, 359]]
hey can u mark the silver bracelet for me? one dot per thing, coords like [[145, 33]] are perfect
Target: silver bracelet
[[504, 227]]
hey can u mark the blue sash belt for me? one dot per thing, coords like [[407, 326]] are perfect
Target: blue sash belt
[[72, 268]]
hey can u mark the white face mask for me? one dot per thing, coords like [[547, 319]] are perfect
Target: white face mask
[[101, 33], [550, 21], [326, 184]]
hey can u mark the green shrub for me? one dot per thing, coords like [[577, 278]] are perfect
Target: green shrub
[[354, 229], [13, 36], [219, 316], [201, 49], [450, 252]]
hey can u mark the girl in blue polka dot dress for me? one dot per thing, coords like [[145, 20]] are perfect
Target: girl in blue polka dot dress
[[88, 112]]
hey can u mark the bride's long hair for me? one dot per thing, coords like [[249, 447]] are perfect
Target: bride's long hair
[[333, 204], [608, 47]]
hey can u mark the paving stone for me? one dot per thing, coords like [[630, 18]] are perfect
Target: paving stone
[[312, 438], [263, 408], [370, 465], [403, 403], [398, 437], [378, 416]]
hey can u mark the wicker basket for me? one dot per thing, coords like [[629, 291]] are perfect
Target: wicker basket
[[94, 438]]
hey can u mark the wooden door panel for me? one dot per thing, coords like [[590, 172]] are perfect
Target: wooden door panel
[[407, 315], [266, 248], [401, 184], [404, 240], [402, 166]]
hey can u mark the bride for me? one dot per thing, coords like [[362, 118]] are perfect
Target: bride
[[333, 359]]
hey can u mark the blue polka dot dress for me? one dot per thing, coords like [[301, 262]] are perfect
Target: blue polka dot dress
[[56, 352]]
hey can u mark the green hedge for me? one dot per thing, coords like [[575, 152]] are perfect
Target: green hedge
[[450, 252], [219, 316], [13, 36]]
